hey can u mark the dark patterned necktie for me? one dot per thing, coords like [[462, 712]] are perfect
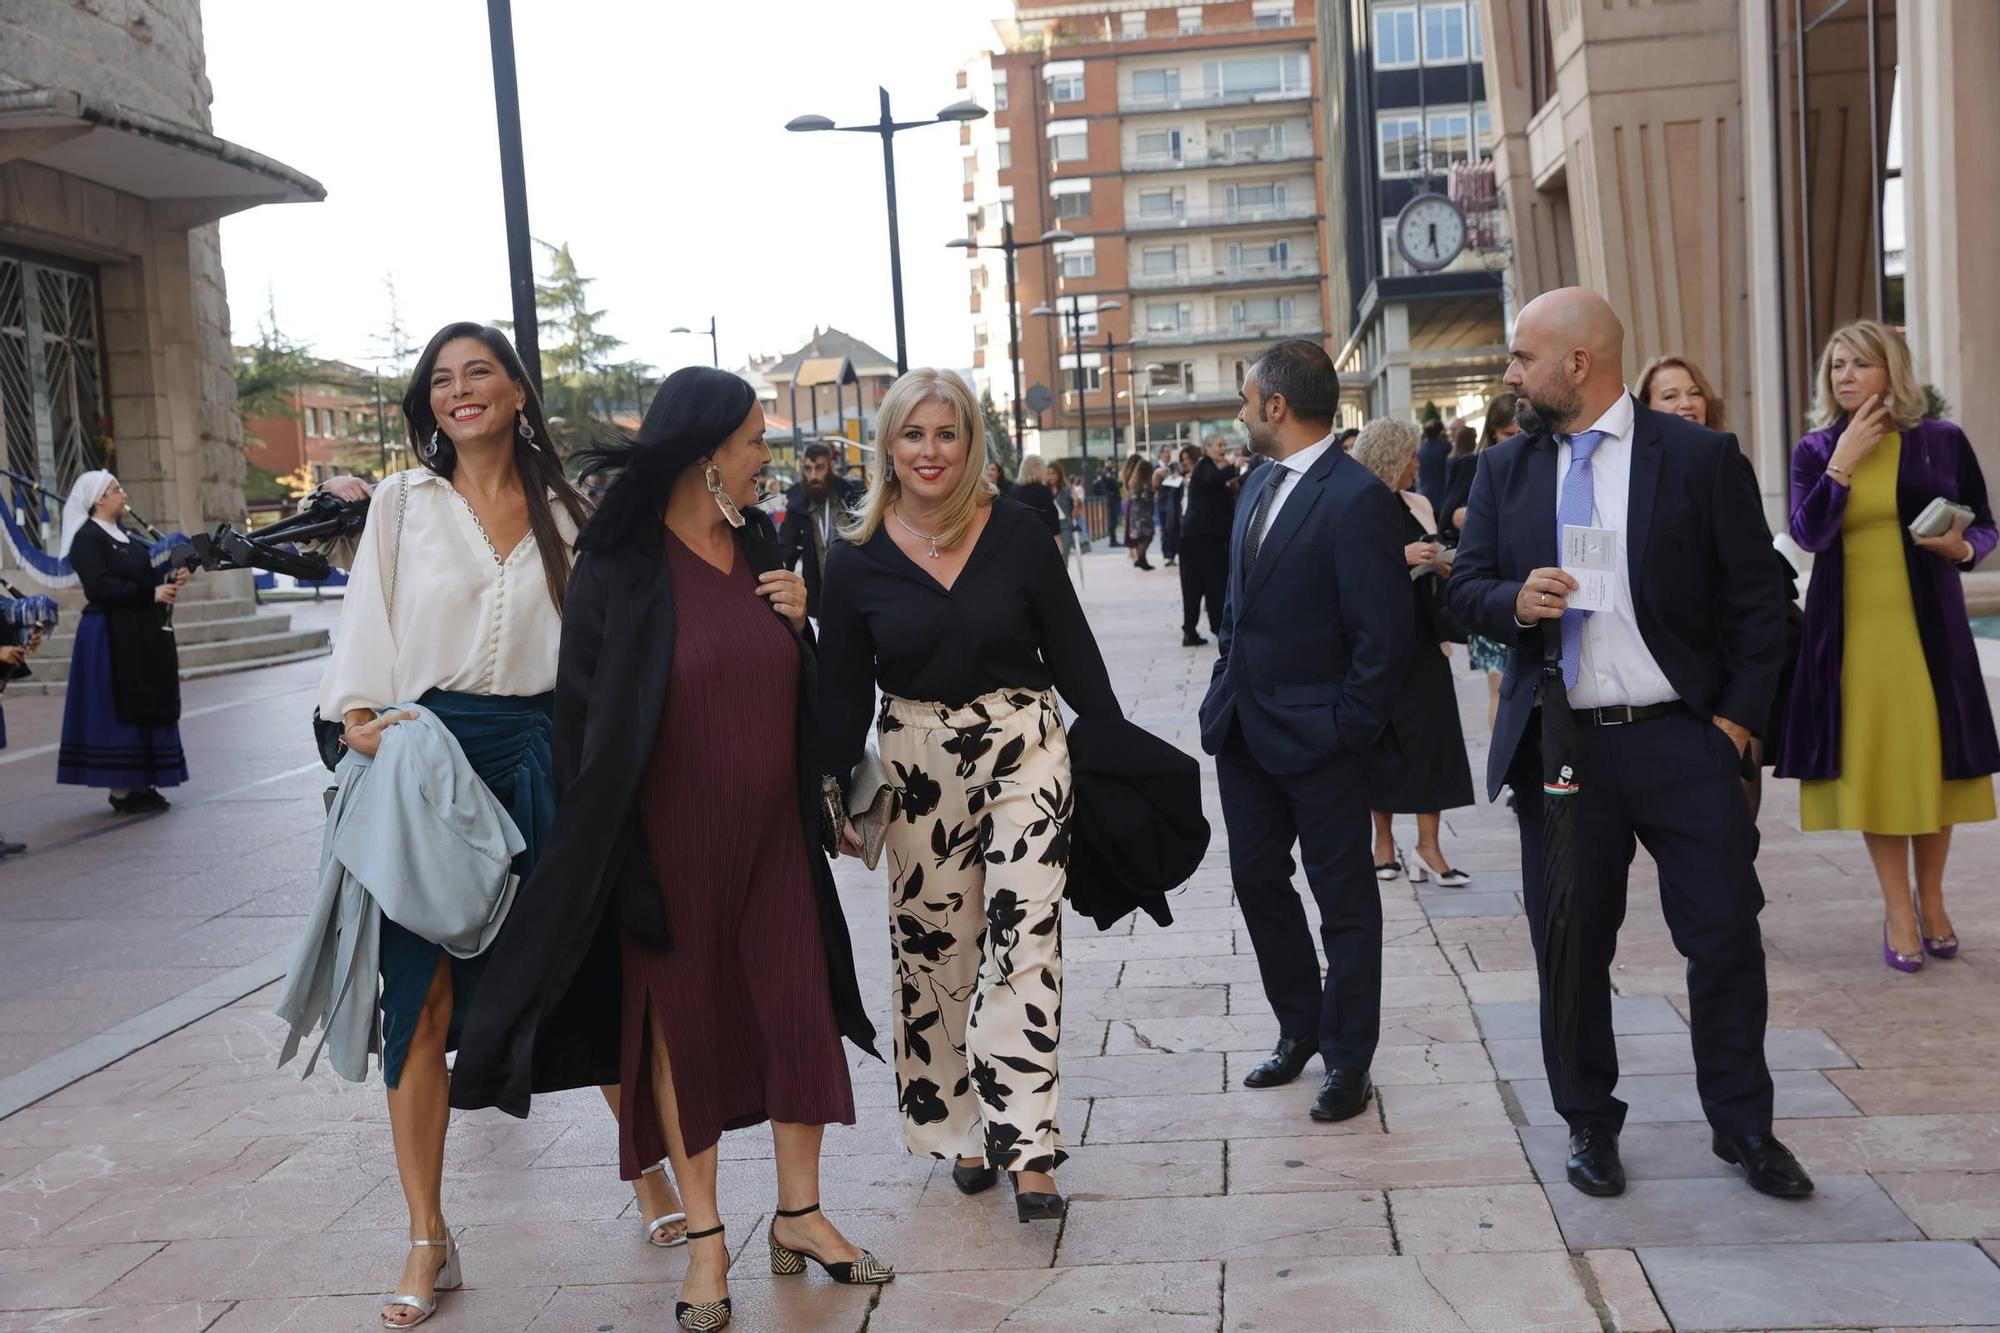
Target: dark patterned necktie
[[1253, 540]]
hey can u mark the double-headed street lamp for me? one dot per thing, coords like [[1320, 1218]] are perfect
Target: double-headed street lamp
[[888, 127], [1010, 247], [1074, 310], [714, 347]]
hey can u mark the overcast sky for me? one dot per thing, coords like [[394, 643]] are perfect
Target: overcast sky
[[655, 146]]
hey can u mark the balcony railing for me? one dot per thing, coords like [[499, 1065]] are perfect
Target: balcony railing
[[1177, 396], [1230, 331], [1218, 157], [1228, 274], [1182, 217], [1206, 97], [1086, 32]]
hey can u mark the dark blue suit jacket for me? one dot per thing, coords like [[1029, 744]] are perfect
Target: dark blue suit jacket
[[1709, 598], [1312, 641]]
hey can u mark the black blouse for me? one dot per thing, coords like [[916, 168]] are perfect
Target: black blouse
[[1011, 621]]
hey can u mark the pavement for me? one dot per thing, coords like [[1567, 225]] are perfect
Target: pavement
[[158, 1172]]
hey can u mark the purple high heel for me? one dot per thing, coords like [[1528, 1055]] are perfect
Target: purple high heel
[[1902, 962], [1940, 946]]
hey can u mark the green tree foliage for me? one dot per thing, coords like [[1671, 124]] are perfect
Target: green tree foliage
[[999, 436], [272, 370], [582, 384]]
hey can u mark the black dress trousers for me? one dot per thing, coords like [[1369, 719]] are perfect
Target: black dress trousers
[[1670, 784]]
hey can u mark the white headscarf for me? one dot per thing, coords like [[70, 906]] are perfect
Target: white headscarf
[[83, 497]]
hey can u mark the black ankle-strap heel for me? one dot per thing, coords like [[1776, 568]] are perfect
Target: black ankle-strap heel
[[867, 1271], [702, 1316]]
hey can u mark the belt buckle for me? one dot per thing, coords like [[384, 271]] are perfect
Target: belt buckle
[[1605, 718]]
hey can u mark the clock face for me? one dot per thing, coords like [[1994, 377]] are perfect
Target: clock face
[[1430, 232]]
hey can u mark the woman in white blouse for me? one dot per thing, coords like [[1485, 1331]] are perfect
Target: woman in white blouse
[[454, 602]]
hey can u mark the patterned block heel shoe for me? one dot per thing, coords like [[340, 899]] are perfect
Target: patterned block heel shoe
[[702, 1316], [867, 1271]]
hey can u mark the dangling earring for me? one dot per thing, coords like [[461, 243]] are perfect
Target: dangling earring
[[431, 447], [527, 431], [730, 513]]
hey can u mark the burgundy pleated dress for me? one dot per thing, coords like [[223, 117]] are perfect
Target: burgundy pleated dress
[[742, 998]]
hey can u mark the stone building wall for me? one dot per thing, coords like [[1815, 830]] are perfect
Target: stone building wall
[[171, 386]]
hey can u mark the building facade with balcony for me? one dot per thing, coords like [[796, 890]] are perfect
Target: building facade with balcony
[[1405, 105], [1179, 146]]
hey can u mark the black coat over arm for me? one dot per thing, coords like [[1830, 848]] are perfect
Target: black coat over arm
[[548, 1008]]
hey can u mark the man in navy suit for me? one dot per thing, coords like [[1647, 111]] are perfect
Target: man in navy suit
[[1665, 682], [1317, 617]]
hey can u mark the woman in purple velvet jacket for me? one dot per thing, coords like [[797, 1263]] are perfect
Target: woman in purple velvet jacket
[[1889, 727]]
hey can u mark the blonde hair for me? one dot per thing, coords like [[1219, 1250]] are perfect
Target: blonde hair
[[1878, 345], [1386, 447], [1033, 471], [1643, 391], [910, 392]]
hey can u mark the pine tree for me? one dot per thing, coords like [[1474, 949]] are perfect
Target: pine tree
[[999, 439]]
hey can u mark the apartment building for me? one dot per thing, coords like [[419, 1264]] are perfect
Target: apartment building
[[1175, 151], [333, 422], [1407, 116]]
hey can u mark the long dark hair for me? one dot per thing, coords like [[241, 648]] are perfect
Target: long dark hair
[[693, 413], [536, 462]]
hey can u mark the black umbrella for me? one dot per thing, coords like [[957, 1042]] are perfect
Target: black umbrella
[[1562, 783]]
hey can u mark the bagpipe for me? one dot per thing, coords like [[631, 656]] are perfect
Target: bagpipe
[[22, 617], [41, 513]]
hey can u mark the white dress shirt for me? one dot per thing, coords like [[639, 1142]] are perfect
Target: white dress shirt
[[1294, 471], [1616, 667], [464, 619]]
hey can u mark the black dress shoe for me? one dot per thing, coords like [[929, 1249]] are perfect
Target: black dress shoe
[[1594, 1167], [1034, 1206], [1767, 1164], [1193, 641], [1284, 1064], [973, 1179], [1343, 1096], [12, 848]]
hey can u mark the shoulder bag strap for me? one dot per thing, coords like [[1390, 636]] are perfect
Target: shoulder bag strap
[[396, 550]]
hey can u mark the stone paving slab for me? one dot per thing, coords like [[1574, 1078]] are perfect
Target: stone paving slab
[[1801, 1094], [1521, 1019], [1714, 1211], [1715, 1287], [1432, 1293], [1673, 1053]]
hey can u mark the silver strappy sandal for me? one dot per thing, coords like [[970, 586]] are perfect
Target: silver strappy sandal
[[450, 1277]]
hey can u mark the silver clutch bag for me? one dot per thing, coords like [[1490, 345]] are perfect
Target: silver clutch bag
[[1937, 518], [871, 805]]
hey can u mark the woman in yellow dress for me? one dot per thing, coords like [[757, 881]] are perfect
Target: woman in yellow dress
[[1889, 729]]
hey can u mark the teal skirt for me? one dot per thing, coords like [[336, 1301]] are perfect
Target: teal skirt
[[506, 740]]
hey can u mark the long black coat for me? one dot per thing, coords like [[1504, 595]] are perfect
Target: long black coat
[[548, 1009]]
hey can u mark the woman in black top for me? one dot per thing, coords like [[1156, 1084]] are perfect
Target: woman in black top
[[1031, 489], [957, 604], [121, 721]]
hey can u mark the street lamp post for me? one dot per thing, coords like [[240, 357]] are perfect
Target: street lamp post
[[888, 127], [514, 189], [1074, 311], [1010, 247], [714, 347], [1111, 347]]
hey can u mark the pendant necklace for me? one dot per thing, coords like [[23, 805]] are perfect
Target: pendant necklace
[[897, 514]]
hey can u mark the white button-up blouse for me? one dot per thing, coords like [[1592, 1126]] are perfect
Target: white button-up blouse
[[464, 619]]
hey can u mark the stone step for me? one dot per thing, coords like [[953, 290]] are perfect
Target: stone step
[[240, 653], [188, 632]]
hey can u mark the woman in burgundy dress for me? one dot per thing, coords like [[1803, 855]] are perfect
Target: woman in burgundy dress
[[680, 863]]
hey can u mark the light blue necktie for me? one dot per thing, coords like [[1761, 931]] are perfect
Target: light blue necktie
[[1573, 510]]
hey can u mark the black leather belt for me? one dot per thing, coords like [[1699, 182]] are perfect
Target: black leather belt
[[1618, 715]]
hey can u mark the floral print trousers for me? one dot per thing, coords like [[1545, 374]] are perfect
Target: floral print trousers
[[977, 851]]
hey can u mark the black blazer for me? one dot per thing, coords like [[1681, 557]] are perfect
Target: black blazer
[[1709, 599], [1313, 644], [547, 1012], [1037, 496], [795, 538], [1211, 505], [118, 579]]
